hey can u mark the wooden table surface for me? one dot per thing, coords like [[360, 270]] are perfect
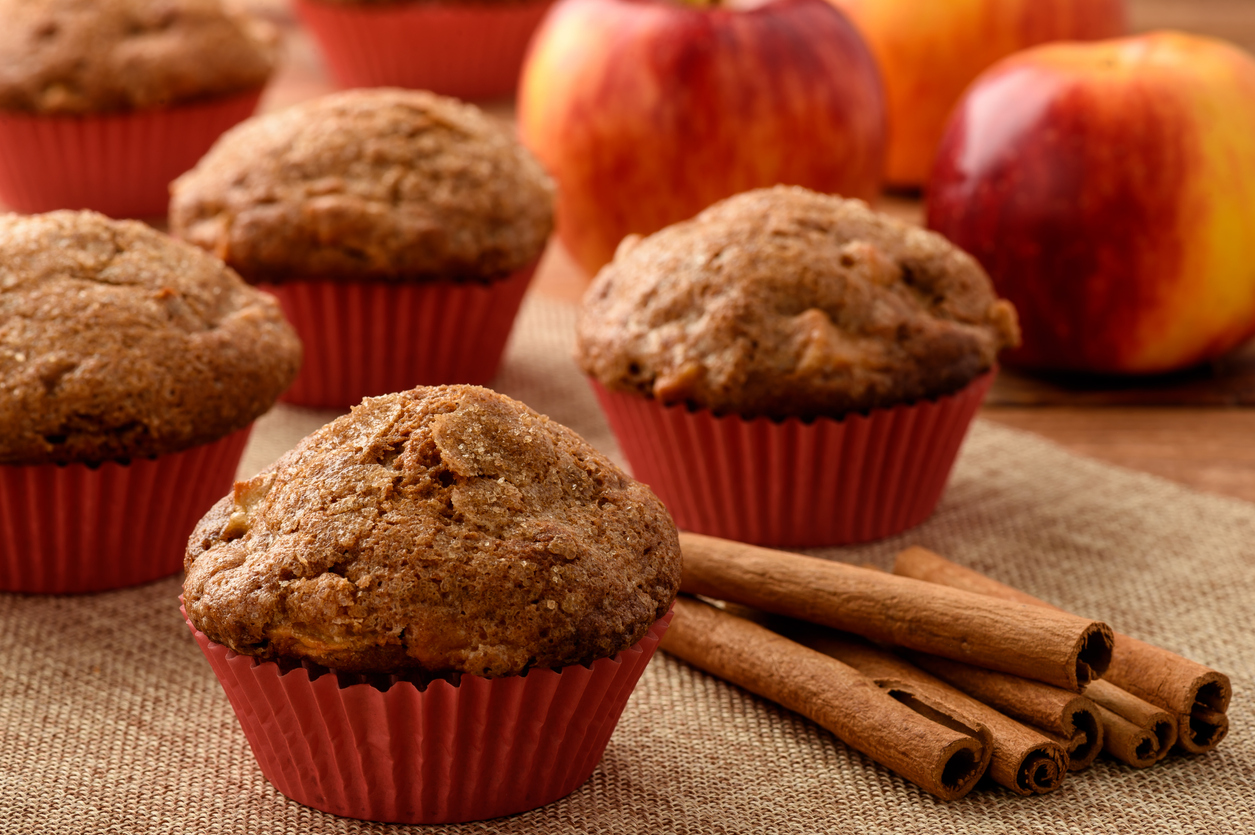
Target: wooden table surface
[[1211, 447]]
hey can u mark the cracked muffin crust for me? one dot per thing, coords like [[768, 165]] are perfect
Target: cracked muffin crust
[[93, 56], [786, 303], [368, 184], [445, 529], [119, 342]]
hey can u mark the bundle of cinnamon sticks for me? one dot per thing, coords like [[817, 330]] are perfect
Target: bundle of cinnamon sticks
[[936, 671]]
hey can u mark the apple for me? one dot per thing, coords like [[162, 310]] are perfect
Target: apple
[[1109, 190], [647, 111], [930, 51]]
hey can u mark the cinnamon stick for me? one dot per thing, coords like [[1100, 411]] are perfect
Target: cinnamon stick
[[1029, 641], [1196, 695], [1070, 719], [1024, 760], [942, 753], [1135, 732]]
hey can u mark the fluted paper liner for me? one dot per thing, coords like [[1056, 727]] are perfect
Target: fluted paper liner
[[480, 749], [366, 338], [795, 483], [84, 528], [468, 50], [120, 164]]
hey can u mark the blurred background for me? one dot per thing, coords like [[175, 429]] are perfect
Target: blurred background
[[1196, 427]]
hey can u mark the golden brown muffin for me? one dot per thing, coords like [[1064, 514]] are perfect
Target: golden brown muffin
[[369, 183], [92, 56], [119, 342], [783, 302], [445, 529]]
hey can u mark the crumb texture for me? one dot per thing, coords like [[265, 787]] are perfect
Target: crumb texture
[[368, 184], [444, 529], [117, 342], [91, 56], [782, 302]]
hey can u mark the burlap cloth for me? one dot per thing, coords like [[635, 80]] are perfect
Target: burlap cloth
[[113, 722]]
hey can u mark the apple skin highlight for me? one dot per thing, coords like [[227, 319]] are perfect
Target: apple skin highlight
[[647, 112], [929, 52], [1109, 190]]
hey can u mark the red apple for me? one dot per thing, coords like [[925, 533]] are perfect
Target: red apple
[[1109, 190], [647, 111], [930, 50]]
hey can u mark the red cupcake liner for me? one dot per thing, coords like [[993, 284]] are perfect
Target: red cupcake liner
[[74, 528], [795, 483], [120, 164], [480, 749], [374, 337], [459, 49]]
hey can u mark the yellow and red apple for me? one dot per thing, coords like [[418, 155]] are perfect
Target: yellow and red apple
[[647, 111], [1109, 190], [930, 50]]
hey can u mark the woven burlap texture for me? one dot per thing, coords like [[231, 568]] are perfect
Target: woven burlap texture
[[112, 721]]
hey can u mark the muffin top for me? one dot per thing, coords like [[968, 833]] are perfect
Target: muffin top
[[786, 303], [91, 56], [119, 342], [444, 529], [371, 183]]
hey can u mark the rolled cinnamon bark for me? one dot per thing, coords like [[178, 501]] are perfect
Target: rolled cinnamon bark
[[1196, 695], [1070, 719], [942, 753], [1029, 641], [1136, 732], [1024, 760]]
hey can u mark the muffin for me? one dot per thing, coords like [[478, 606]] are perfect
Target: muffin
[[398, 228], [132, 366], [104, 102], [444, 572], [791, 368], [472, 49]]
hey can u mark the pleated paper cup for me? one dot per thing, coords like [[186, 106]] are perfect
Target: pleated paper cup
[[392, 752], [77, 528], [467, 50], [795, 483], [119, 164], [366, 338]]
